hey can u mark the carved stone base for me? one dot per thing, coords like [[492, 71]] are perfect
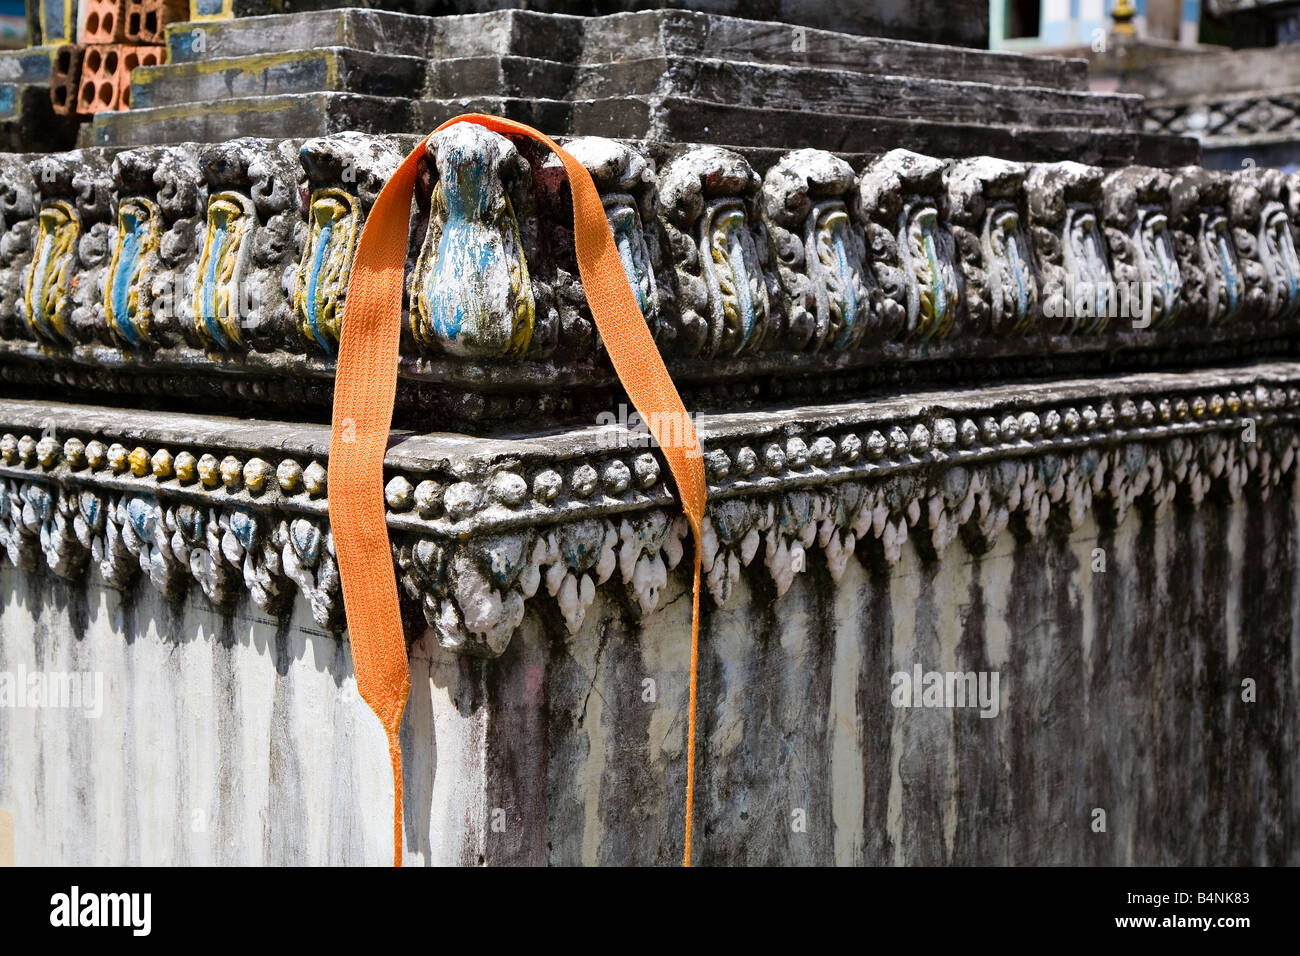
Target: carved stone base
[[482, 527], [1122, 616]]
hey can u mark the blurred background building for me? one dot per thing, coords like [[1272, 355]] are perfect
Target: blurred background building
[[13, 24], [1224, 71]]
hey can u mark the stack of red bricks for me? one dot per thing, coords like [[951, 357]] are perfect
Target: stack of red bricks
[[115, 36]]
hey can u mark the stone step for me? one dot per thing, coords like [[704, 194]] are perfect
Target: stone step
[[958, 22], [841, 91], [222, 10], [11, 100], [288, 115], [1167, 150], [570, 39], [682, 33], [508, 76], [670, 118], [545, 36], [26, 66], [682, 119], [342, 69], [782, 87], [329, 69]]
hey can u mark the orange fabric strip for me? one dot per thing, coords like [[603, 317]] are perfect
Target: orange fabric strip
[[364, 390]]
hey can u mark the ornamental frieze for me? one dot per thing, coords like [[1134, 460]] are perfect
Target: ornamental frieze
[[478, 530], [206, 272]]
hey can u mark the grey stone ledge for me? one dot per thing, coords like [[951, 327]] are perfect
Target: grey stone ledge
[[568, 38]]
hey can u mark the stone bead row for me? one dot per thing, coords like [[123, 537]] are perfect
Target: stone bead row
[[256, 475], [429, 498]]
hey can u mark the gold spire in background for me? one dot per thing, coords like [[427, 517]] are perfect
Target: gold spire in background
[[1123, 13]]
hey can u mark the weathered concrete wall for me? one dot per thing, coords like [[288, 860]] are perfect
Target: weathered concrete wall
[[1120, 690], [222, 740], [243, 740]]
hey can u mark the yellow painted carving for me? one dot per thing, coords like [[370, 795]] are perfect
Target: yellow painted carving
[[217, 288], [46, 293], [326, 265], [126, 298], [739, 288]]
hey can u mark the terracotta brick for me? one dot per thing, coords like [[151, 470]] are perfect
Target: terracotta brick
[[103, 21], [146, 20], [106, 75], [133, 56], [65, 76]]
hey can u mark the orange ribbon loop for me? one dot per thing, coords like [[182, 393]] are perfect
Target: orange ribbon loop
[[365, 386]]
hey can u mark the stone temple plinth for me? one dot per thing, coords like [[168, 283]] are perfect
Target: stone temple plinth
[[1022, 406]]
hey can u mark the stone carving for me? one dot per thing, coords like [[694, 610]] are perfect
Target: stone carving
[[1069, 246], [708, 200], [246, 245], [174, 254], [48, 288], [18, 210], [989, 220], [1213, 285], [334, 224], [472, 296], [1144, 261], [219, 305], [911, 244], [1228, 118], [1293, 205], [24, 508], [172, 540], [1258, 200], [830, 296], [626, 181], [159, 198], [127, 305], [64, 281], [472, 548], [339, 179]]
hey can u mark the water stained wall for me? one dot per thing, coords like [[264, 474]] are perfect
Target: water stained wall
[[1120, 690], [240, 738]]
